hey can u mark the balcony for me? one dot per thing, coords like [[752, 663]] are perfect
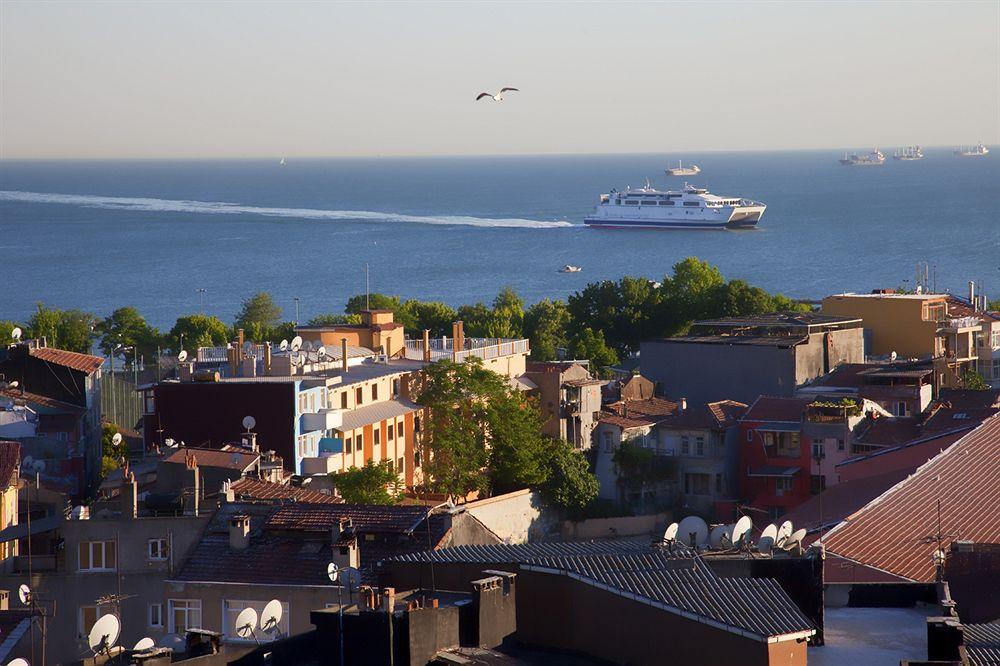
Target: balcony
[[484, 348], [324, 419]]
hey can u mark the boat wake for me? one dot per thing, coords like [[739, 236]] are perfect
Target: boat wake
[[223, 208]]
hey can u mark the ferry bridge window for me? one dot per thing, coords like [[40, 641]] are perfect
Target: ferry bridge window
[[666, 203], [691, 203], [631, 202]]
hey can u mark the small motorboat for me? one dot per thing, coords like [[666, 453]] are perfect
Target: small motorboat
[[570, 269]]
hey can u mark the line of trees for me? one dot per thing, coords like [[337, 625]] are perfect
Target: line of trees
[[603, 322]]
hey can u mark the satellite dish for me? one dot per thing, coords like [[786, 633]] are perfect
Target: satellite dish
[[246, 623], [104, 634], [26, 463], [270, 617], [795, 540], [741, 530], [144, 644], [296, 343], [321, 353], [15, 334], [670, 533], [116, 438], [19, 661], [784, 532], [693, 525], [767, 538], [173, 641], [307, 346], [300, 360], [350, 578], [24, 594], [170, 442], [79, 512], [183, 356], [716, 535], [333, 572], [283, 346], [38, 466], [249, 422]]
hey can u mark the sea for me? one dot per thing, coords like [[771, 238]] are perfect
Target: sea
[[175, 237]]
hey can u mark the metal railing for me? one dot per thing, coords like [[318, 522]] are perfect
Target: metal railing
[[484, 348]]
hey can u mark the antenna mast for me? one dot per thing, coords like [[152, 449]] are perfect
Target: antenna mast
[[367, 304]]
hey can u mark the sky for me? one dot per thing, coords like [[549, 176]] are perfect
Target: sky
[[181, 79]]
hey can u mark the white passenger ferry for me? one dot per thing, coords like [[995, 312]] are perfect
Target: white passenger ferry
[[690, 208]]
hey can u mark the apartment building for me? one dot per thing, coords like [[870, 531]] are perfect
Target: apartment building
[[569, 398]]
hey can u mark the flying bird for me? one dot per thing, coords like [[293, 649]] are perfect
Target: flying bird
[[498, 97]]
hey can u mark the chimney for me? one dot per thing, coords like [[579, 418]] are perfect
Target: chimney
[[427, 345], [191, 485], [130, 497], [240, 338], [343, 354], [234, 360], [389, 599], [239, 532], [228, 495], [460, 338], [972, 294], [267, 359], [682, 405], [344, 544]]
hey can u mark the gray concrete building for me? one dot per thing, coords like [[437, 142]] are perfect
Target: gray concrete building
[[740, 358]]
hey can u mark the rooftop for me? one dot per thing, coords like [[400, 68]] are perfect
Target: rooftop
[[83, 362], [895, 531], [637, 413], [376, 412], [230, 459], [249, 488], [775, 409], [779, 320], [40, 403]]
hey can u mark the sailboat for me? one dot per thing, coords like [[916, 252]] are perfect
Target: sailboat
[[282, 162]]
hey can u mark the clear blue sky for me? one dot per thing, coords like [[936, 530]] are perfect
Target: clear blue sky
[[172, 79]]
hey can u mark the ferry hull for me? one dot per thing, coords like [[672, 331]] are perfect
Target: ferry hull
[[738, 220]]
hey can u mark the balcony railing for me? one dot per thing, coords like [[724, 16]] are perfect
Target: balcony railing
[[484, 348]]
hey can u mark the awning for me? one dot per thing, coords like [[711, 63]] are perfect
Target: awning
[[522, 383], [40, 526], [773, 470], [376, 413]]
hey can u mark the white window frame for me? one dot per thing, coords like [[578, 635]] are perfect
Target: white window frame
[[158, 623], [104, 556], [161, 545], [189, 606]]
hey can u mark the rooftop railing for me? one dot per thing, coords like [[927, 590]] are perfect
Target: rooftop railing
[[484, 348]]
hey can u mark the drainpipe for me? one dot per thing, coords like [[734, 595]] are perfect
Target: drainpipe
[[343, 353]]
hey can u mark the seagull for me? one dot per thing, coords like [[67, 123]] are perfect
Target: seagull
[[498, 97]]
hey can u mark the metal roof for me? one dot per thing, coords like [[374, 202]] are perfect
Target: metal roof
[[982, 643], [376, 413]]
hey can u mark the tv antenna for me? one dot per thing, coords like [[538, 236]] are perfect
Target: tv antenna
[[182, 356], [246, 624], [37, 607], [104, 635], [15, 333], [144, 644], [270, 618], [249, 422]]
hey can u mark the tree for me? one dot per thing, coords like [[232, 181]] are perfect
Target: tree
[[508, 315], [589, 345], [375, 483], [993, 306], [428, 315], [624, 311], [259, 309], [198, 331], [331, 319], [126, 327], [518, 452], [72, 330], [359, 303], [974, 381], [545, 325], [477, 320], [111, 455], [571, 485]]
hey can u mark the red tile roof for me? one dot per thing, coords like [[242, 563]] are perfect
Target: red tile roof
[[637, 413], [770, 408], [364, 517], [10, 463], [213, 458], [894, 532], [82, 362], [249, 488]]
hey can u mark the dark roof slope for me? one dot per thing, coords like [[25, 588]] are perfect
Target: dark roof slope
[[238, 460], [249, 488]]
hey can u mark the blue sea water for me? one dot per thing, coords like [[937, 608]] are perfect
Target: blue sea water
[[100, 234]]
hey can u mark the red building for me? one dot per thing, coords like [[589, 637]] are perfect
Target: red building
[[774, 461]]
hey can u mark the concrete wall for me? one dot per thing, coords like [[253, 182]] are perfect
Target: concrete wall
[[603, 528], [516, 517], [895, 323], [827, 350]]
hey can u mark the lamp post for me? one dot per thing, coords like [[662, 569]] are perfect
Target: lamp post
[[201, 298]]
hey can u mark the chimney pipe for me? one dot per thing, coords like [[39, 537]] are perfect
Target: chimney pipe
[[130, 497], [682, 405], [239, 532], [343, 354], [972, 294], [239, 344], [427, 345], [267, 359]]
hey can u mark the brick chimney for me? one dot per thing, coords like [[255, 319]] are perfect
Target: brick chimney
[[130, 496], [344, 544], [239, 532]]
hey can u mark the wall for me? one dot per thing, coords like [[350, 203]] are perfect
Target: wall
[[825, 351], [603, 528], [705, 372], [895, 323], [516, 517]]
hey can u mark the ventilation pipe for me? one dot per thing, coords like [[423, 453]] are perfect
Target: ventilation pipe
[[343, 354]]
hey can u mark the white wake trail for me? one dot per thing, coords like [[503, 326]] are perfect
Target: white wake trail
[[224, 208]]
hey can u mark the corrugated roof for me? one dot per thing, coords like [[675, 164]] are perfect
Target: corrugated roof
[[367, 517], [842, 499], [82, 362], [982, 643], [41, 403], [531, 552], [376, 413], [637, 413], [895, 531]]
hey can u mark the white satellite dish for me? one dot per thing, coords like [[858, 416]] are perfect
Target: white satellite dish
[[116, 438], [333, 572], [173, 641], [19, 661], [321, 353], [24, 594], [249, 422], [104, 634], [784, 532], [300, 360], [716, 535], [80, 512], [741, 531], [296, 343], [307, 346], [283, 345], [183, 356], [26, 463], [270, 617], [38, 466], [693, 525], [795, 540], [246, 623], [144, 644], [670, 533], [767, 538], [15, 333]]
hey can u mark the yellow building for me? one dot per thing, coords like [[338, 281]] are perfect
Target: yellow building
[[376, 331], [10, 465], [914, 326]]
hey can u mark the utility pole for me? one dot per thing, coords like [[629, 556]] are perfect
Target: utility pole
[[201, 298], [367, 291], [296, 310]]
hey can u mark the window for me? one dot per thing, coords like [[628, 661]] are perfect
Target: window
[[232, 608], [399, 466], [155, 615], [783, 485], [184, 614], [359, 395], [98, 556], [390, 431], [840, 445], [378, 434], [685, 445], [901, 408], [631, 202], [395, 387], [697, 484], [416, 458], [374, 391], [818, 449], [667, 203], [347, 445], [359, 442], [343, 400], [156, 549], [691, 203], [699, 446], [416, 424], [995, 339], [87, 619], [399, 429], [606, 441]]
